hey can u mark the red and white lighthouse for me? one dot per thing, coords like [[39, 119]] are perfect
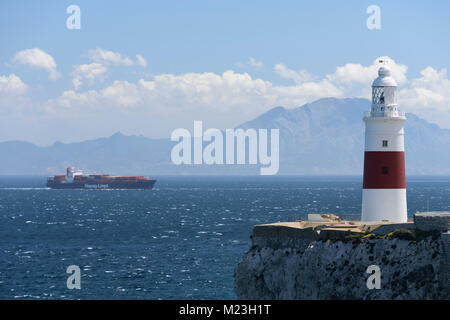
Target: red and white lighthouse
[[384, 185]]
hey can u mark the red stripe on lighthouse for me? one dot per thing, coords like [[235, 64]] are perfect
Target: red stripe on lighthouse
[[384, 170]]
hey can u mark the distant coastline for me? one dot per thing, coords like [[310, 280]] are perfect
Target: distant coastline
[[324, 137]]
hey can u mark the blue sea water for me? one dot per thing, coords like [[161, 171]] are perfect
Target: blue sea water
[[181, 240]]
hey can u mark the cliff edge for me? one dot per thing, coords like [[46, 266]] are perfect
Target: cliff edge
[[334, 259]]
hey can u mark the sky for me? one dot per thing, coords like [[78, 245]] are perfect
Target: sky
[[150, 67]]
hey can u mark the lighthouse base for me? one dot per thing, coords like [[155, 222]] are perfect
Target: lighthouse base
[[384, 204]]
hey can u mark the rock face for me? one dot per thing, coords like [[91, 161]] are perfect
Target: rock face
[[287, 264], [433, 221]]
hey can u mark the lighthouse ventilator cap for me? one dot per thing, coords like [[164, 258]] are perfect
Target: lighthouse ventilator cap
[[384, 78]]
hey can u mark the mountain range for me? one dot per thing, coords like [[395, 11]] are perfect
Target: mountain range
[[325, 137]]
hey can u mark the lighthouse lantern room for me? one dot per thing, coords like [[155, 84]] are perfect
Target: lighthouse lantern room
[[384, 185]]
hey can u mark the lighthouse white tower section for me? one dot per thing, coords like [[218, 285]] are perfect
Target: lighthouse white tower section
[[384, 185]]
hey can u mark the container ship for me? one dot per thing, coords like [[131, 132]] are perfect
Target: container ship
[[78, 180]]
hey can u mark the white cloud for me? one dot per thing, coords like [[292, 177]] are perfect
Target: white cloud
[[229, 92], [295, 96], [14, 100], [70, 99], [155, 106], [108, 57], [251, 63], [116, 96], [97, 70], [141, 61], [12, 84], [297, 76], [237, 96], [350, 80], [122, 93], [232, 93], [240, 96], [352, 73], [92, 72], [429, 96], [39, 59], [256, 64]]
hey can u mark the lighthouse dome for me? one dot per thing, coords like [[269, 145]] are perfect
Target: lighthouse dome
[[384, 78], [384, 71]]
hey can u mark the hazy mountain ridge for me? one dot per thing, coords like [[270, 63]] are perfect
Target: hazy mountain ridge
[[326, 136], [322, 137]]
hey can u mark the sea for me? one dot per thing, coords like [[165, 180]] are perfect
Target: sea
[[181, 240]]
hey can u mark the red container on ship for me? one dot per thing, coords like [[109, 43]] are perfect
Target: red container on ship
[[78, 180]]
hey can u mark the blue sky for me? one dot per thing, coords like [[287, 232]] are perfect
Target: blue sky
[[204, 39]]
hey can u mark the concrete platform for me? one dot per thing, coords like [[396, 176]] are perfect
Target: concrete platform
[[328, 226]]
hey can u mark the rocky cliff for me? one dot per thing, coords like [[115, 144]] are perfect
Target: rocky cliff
[[285, 262]]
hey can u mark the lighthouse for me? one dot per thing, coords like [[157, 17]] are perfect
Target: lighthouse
[[384, 185]]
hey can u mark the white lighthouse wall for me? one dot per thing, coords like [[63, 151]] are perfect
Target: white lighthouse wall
[[384, 204], [378, 130]]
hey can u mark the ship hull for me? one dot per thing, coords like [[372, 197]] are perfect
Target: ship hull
[[107, 185]]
